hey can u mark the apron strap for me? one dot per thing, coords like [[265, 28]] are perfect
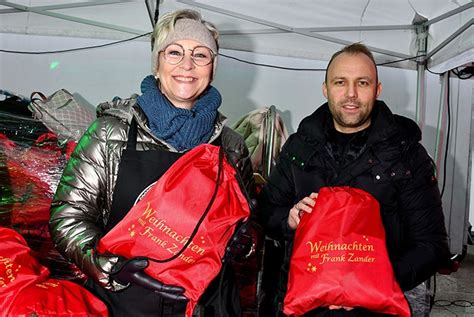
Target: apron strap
[[132, 135]]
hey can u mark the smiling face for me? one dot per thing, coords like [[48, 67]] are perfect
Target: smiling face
[[351, 90], [184, 82]]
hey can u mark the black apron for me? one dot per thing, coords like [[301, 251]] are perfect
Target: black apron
[[137, 170]]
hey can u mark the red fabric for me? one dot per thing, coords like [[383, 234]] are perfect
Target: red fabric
[[54, 297], [34, 172], [32, 169], [340, 257], [160, 224], [18, 267], [26, 290]]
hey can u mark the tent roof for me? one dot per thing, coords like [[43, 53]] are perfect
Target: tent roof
[[297, 28]]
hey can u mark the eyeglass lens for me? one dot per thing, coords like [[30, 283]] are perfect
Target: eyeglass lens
[[200, 55]]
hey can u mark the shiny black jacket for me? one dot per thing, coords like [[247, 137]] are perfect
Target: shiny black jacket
[[387, 161]]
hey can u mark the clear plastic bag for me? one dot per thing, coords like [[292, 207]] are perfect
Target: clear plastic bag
[[31, 163], [419, 300]]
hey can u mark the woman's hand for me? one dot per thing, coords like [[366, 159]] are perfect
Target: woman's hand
[[304, 205], [132, 271]]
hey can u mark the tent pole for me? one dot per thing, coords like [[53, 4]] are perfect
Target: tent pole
[[463, 28], [422, 37], [420, 95], [57, 15], [287, 28], [152, 11]]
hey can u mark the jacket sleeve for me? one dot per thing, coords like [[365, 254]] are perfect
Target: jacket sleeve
[[76, 222], [277, 197], [424, 244], [239, 154]]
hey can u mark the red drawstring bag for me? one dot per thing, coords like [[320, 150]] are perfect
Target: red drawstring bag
[[184, 221], [18, 267], [340, 257], [26, 290], [54, 297]]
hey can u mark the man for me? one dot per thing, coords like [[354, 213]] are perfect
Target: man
[[355, 140]]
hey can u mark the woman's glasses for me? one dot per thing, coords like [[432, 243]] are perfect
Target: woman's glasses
[[201, 55]]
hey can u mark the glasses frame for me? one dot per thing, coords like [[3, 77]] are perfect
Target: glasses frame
[[213, 55]]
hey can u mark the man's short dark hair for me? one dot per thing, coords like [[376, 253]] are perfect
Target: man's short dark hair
[[353, 49]]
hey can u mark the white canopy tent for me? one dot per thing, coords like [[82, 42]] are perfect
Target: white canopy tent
[[436, 33], [407, 34], [438, 30]]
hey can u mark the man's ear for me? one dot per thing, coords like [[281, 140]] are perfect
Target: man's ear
[[378, 90], [325, 90]]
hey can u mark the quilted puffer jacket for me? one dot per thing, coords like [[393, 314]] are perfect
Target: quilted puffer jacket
[[83, 200]]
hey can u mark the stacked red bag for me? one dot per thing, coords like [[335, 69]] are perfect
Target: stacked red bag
[[30, 169], [26, 290], [340, 258], [162, 222]]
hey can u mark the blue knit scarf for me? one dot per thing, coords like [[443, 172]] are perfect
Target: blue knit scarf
[[182, 128]]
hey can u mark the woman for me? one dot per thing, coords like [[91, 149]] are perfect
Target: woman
[[131, 144]]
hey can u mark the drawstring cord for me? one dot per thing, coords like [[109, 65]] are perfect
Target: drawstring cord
[[121, 264]]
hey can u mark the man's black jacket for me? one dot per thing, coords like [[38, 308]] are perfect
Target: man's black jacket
[[387, 161]]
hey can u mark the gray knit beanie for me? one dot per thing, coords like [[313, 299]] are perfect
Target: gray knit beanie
[[186, 29]]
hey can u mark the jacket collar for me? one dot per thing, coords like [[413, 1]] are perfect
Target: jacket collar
[[315, 128], [314, 132]]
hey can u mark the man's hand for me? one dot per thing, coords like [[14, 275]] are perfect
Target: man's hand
[[296, 212], [131, 271], [331, 307]]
